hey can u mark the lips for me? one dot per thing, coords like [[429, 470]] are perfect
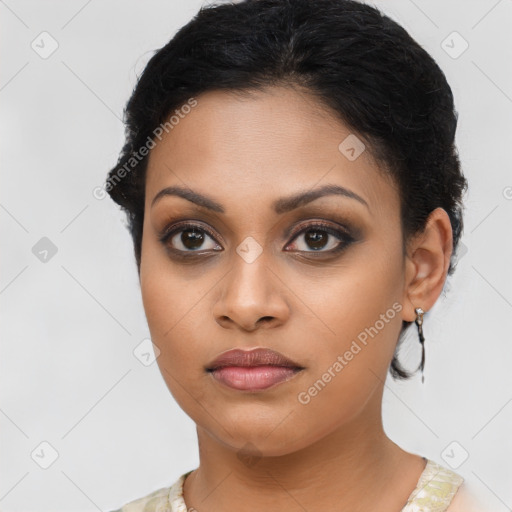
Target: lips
[[255, 357], [253, 370]]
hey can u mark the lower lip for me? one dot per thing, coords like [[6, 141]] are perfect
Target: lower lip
[[253, 378]]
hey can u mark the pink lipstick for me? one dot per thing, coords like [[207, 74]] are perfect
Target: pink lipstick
[[252, 370]]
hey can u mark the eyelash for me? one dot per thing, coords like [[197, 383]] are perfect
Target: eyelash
[[342, 234]]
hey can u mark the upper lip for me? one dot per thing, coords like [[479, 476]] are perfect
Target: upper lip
[[254, 357]]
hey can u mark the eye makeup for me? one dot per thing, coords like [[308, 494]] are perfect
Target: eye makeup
[[337, 228]]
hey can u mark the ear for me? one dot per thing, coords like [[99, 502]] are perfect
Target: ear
[[426, 264]]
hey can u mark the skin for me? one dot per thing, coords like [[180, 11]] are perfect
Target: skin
[[266, 450]]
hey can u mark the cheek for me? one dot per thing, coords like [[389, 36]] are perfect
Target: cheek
[[163, 299], [361, 305], [352, 364], [175, 319], [162, 294], [172, 321], [169, 311]]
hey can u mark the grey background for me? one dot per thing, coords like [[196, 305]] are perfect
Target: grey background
[[70, 324]]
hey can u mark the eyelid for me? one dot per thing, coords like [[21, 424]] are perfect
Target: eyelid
[[320, 223]]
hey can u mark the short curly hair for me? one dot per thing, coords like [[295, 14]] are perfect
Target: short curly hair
[[355, 60]]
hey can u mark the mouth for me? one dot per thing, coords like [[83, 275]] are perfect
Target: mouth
[[252, 370]]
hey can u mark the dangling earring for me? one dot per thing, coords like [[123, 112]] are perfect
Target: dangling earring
[[419, 323]]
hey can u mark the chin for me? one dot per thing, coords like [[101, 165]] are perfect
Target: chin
[[259, 439]]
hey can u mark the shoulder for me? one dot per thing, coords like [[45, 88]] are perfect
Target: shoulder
[[465, 501], [153, 502]]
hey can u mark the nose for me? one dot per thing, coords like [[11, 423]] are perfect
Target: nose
[[252, 297]]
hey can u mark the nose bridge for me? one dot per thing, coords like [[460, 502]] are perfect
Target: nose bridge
[[250, 280], [251, 290]]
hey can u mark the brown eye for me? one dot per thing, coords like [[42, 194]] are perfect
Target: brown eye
[[189, 238], [320, 237], [316, 239]]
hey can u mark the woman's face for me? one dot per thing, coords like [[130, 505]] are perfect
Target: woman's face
[[258, 271]]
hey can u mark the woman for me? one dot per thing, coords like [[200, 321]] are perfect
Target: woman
[[295, 200]]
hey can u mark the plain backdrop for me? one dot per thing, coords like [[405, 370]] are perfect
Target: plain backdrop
[[74, 397]]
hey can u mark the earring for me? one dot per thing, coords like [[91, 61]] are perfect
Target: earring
[[419, 323]]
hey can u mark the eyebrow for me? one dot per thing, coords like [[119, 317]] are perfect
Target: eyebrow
[[282, 205]]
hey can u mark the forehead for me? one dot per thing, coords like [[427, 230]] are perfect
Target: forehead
[[260, 146]]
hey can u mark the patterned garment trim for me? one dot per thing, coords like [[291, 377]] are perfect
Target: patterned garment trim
[[435, 489]]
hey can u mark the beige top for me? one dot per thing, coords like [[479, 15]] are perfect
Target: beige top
[[434, 492]]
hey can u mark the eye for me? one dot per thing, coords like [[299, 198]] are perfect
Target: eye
[[184, 239], [189, 238], [321, 237]]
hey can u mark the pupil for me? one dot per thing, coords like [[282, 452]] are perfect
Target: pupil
[[191, 238], [316, 239]]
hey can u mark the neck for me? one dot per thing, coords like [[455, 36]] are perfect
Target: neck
[[352, 468]]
